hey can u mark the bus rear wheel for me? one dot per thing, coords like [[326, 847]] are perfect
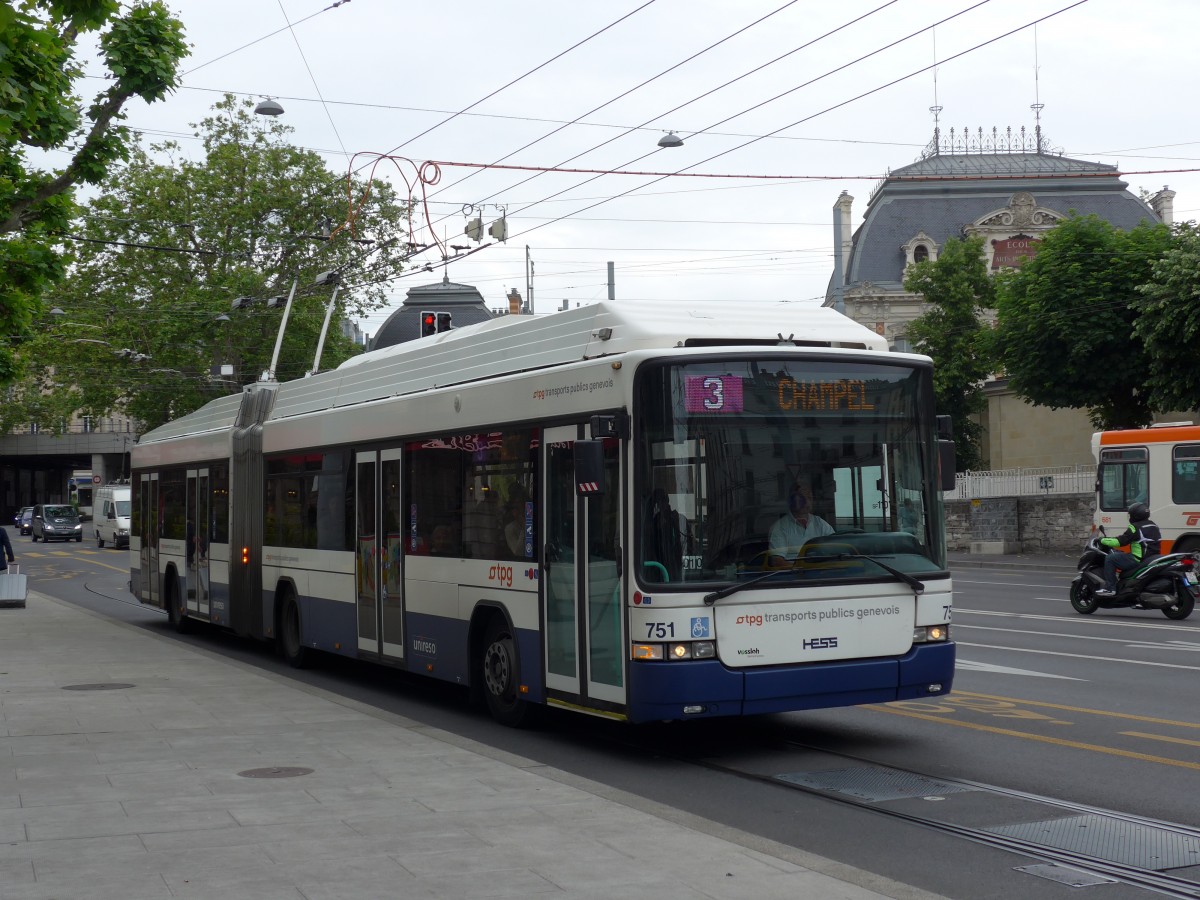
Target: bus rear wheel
[[501, 676], [176, 614], [291, 645]]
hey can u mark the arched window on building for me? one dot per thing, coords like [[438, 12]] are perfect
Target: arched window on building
[[919, 248]]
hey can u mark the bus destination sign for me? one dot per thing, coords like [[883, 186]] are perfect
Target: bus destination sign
[[727, 394]]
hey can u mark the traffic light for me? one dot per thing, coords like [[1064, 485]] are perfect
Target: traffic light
[[428, 323], [434, 322]]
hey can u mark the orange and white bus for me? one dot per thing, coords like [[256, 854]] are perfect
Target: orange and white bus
[[1158, 466]]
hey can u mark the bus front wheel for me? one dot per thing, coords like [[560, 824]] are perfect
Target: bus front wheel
[[501, 676]]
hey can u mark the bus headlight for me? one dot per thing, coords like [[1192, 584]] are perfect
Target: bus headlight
[[929, 634], [682, 650]]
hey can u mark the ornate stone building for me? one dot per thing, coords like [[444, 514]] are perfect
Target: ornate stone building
[[1009, 189]]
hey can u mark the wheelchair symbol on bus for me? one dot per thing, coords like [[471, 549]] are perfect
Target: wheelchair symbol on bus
[[700, 627]]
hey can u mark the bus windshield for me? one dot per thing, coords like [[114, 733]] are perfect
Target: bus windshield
[[810, 468]]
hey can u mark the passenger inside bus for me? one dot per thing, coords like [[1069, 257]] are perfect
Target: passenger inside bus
[[443, 542], [514, 528]]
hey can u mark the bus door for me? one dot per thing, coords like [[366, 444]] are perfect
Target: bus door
[[151, 528], [379, 585], [582, 595], [198, 522]]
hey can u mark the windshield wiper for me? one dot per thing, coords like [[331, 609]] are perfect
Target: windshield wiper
[[710, 599], [916, 584]]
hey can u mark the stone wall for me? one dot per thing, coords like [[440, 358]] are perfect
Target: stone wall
[[1019, 524]]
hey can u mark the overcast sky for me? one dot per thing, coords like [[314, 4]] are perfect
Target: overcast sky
[[586, 86]]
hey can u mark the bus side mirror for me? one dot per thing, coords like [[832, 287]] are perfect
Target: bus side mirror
[[946, 465], [589, 467]]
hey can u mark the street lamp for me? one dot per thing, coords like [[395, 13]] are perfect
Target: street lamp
[[670, 139], [268, 107]]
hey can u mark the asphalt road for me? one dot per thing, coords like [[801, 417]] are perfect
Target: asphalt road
[[1099, 710]]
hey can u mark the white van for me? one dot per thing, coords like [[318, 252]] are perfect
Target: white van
[[111, 515]]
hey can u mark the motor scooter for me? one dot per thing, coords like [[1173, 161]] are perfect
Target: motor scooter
[[1167, 583]]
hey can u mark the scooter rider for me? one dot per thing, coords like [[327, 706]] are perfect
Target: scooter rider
[[1142, 537]]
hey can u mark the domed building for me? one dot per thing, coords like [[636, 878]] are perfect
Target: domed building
[[1007, 188]]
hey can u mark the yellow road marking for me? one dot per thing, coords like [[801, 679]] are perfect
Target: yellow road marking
[[1060, 742], [1162, 737], [1078, 709], [53, 554]]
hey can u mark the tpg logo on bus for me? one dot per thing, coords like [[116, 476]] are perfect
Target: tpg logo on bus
[[502, 574]]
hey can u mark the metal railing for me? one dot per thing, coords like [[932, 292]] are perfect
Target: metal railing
[[1023, 482]]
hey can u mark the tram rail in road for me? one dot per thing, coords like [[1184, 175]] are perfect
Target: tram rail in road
[[1083, 844]]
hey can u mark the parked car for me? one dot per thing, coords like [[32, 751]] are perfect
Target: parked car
[[56, 521], [26, 525]]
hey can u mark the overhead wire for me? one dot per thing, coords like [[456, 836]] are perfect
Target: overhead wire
[[519, 78], [788, 92], [730, 118], [772, 135], [312, 77], [638, 87], [756, 69], [263, 38], [828, 109]]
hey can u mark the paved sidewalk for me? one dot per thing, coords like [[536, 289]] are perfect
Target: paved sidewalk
[[135, 792]]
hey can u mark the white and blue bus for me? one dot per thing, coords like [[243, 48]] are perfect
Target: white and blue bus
[[576, 510]]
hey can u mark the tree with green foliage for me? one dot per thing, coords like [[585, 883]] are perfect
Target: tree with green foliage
[[952, 332], [1065, 333], [141, 47], [168, 246], [1169, 322]]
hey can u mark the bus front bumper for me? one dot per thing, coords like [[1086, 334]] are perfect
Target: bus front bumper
[[668, 691]]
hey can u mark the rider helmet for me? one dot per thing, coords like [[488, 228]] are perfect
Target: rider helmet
[[1138, 512]]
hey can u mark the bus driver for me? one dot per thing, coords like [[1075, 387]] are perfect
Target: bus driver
[[795, 527]]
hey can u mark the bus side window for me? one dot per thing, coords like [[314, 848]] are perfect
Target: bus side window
[[1185, 474], [1124, 477]]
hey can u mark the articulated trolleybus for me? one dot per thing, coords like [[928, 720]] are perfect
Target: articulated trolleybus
[[587, 510]]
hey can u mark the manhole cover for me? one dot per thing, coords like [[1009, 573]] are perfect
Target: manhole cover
[[1065, 875], [276, 772], [1111, 839], [103, 686], [873, 785]]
